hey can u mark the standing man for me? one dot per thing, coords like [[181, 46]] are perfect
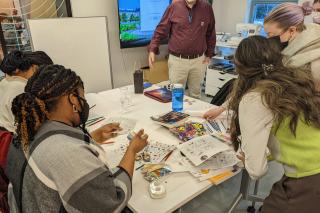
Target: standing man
[[190, 27]]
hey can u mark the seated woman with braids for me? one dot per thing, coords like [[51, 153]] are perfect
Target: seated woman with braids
[[18, 67], [54, 164], [277, 108]]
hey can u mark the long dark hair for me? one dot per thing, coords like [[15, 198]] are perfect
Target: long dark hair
[[23, 61], [286, 92], [44, 88]]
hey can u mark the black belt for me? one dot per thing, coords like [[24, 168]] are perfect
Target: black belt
[[186, 56]]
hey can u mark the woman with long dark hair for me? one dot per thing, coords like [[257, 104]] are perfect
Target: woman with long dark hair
[[277, 107]]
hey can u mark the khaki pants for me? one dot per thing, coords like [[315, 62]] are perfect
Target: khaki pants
[[183, 71]]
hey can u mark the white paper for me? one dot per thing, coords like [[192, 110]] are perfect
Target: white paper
[[200, 149], [195, 113], [126, 124], [157, 151]]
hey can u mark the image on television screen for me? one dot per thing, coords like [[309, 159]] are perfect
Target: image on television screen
[[138, 20]]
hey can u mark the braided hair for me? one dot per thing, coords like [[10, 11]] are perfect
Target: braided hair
[[21, 61], [42, 92]]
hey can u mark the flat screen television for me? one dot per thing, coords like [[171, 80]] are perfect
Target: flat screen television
[[138, 20]]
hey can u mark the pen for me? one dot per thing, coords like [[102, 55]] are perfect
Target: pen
[[139, 167], [167, 156], [223, 126], [93, 119], [96, 122]]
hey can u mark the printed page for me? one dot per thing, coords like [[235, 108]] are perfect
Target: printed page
[[200, 149]]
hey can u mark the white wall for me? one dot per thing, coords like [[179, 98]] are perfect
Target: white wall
[[228, 13], [122, 60]]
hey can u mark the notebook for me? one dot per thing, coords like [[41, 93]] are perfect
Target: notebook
[[162, 95]]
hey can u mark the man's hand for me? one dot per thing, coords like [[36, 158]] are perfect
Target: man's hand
[[105, 132], [206, 60], [151, 59]]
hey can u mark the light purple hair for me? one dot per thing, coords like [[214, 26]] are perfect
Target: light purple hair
[[289, 14]]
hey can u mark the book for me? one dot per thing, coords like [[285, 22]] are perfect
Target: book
[[162, 95], [171, 119], [189, 130]]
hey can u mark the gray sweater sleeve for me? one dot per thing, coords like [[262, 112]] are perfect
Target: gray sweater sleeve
[[77, 172]]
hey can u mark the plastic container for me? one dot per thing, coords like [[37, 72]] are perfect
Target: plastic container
[[177, 97]]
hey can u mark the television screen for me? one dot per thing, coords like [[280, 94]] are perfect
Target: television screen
[[138, 20]]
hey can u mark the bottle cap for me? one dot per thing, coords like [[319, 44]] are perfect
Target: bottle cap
[[177, 86]]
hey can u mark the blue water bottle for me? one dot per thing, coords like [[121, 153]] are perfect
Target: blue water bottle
[[177, 97]]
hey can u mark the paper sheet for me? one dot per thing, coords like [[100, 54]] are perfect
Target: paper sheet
[[215, 164], [200, 149], [155, 149], [126, 124]]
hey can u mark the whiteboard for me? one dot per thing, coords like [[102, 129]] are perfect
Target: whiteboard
[[81, 44]]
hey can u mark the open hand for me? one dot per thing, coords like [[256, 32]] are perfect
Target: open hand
[[138, 142], [213, 113], [106, 132]]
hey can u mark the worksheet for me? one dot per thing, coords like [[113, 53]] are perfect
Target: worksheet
[[154, 153], [200, 149], [215, 164]]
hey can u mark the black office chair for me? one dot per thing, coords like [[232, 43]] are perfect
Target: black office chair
[[223, 93]]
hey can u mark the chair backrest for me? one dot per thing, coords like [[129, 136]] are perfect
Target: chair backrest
[[5, 140], [223, 93]]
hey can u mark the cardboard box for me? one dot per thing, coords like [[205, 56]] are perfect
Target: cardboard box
[[159, 72]]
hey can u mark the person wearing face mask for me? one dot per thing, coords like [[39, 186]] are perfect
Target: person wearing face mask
[[55, 165], [299, 42], [190, 27], [316, 11], [18, 67]]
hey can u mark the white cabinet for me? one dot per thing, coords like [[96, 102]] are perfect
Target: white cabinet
[[215, 79]]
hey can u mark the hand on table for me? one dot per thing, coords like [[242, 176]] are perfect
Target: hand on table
[[213, 113], [105, 132]]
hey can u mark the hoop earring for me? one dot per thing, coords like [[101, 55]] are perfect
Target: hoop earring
[[74, 108]]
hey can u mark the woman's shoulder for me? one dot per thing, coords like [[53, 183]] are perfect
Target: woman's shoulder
[[251, 97]]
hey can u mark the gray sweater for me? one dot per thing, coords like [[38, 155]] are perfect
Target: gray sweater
[[68, 173]]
